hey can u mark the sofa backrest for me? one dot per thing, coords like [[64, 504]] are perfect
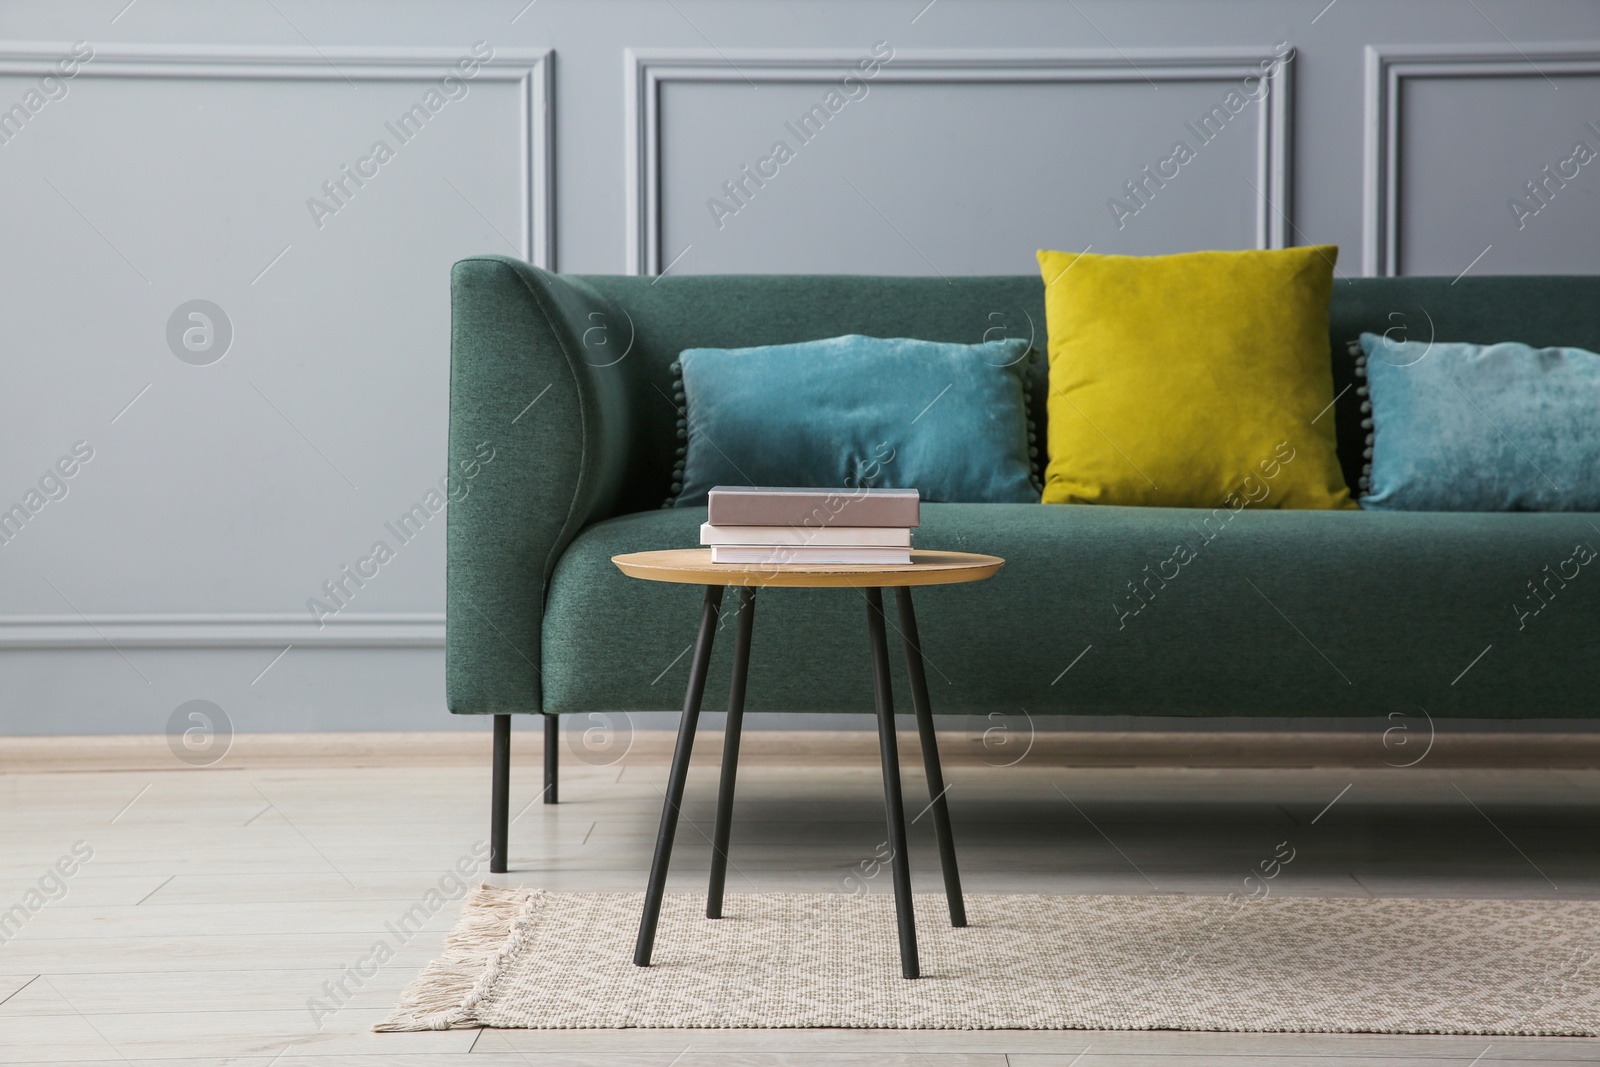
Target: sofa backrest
[[665, 315]]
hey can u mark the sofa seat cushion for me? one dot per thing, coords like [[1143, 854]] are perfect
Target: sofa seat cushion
[[1113, 610]]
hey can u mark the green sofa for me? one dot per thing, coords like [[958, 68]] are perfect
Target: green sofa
[[1291, 613]]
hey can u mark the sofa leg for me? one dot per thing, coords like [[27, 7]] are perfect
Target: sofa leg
[[500, 794], [552, 757]]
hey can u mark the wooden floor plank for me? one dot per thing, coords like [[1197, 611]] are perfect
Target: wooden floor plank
[[132, 1038], [12, 984]]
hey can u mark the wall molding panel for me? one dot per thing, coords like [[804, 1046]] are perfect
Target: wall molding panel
[[1387, 68], [225, 630], [646, 71], [530, 71]]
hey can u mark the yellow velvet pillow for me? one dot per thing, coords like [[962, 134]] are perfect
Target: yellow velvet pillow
[[1200, 380]]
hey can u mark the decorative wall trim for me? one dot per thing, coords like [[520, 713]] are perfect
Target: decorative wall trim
[[531, 71], [647, 71], [230, 630], [1387, 66]]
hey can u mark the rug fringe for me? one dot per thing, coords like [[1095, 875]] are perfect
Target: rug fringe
[[446, 994]]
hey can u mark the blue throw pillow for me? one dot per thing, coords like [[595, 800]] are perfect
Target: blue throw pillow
[[1461, 427], [950, 420]]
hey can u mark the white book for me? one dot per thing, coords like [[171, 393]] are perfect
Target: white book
[[778, 555], [850, 536]]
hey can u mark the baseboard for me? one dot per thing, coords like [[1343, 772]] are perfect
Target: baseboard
[[777, 748]]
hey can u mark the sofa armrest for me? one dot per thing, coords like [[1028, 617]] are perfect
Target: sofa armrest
[[539, 438]]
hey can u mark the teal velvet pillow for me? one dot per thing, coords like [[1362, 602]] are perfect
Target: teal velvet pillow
[[1462, 427], [950, 420]]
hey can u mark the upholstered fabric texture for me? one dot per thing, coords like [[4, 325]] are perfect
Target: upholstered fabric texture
[[1188, 612], [949, 420], [1465, 427], [1184, 380], [570, 379]]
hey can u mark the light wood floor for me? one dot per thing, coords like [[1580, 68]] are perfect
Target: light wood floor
[[219, 901]]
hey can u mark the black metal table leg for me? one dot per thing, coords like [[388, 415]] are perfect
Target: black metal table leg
[[930, 757], [888, 750], [730, 750], [499, 794], [552, 753], [679, 774]]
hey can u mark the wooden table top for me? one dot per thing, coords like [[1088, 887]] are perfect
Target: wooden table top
[[693, 566]]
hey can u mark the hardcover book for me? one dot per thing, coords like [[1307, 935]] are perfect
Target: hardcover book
[[852, 536], [779, 555], [812, 508]]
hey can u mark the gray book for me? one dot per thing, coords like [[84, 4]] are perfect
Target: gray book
[[731, 505]]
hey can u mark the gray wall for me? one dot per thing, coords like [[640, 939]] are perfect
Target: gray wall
[[177, 165]]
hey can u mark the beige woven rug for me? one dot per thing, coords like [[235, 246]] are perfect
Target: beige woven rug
[[529, 958]]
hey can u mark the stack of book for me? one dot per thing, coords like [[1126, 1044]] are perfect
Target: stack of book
[[755, 525]]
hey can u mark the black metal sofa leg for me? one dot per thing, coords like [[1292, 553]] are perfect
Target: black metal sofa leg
[[552, 753], [500, 794]]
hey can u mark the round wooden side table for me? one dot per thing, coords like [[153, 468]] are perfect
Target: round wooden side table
[[694, 567]]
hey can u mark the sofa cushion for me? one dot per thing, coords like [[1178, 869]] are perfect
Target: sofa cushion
[[1099, 611], [1464, 427], [1178, 380], [946, 419]]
